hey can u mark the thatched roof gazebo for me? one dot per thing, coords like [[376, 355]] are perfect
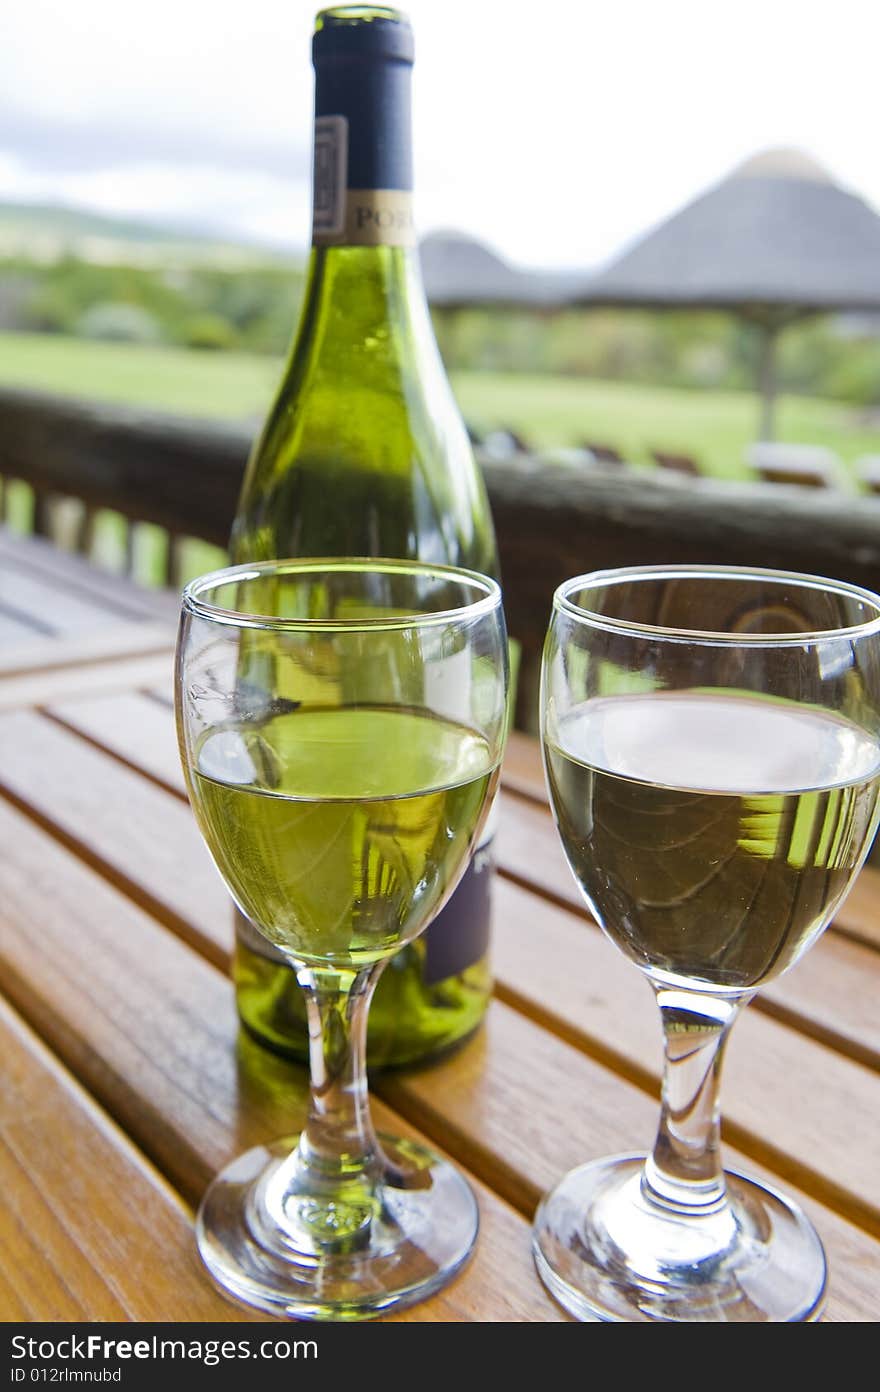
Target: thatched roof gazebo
[[775, 241], [460, 272]]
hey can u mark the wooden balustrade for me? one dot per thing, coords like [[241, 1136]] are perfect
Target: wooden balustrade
[[553, 520]]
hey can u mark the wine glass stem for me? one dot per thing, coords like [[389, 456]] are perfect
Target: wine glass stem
[[684, 1172], [323, 1197], [338, 1142]]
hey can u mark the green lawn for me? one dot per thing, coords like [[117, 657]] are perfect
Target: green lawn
[[231, 385], [713, 426]]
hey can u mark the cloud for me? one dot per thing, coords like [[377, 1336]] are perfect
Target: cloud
[[556, 136], [45, 144], [198, 198]]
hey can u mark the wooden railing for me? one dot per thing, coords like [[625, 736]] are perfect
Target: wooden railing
[[552, 520]]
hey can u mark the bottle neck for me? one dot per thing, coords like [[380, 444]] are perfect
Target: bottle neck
[[362, 173]]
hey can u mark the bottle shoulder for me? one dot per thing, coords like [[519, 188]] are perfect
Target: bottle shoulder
[[422, 497], [365, 451]]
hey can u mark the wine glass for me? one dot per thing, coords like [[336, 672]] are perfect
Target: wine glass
[[711, 741], [341, 725]]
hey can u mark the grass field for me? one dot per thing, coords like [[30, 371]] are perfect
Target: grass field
[[715, 427]]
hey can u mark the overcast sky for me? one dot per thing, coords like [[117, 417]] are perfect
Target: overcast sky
[[555, 130]]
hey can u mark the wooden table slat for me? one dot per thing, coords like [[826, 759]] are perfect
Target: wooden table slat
[[113, 643], [523, 770], [40, 686], [783, 1095], [524, 1108], [145, 840], [15, 631], [84, 1220], [818, 995], [146, 1023], [52, 609], [114, 594], [136, 833], [131, 725]]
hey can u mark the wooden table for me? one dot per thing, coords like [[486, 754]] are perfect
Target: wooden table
[[126, 1083]]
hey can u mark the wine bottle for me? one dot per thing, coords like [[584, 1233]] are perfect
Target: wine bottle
[[364, 453]]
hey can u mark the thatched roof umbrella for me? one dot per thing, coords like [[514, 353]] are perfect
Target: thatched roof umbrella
[[460, 273], [774, 242]]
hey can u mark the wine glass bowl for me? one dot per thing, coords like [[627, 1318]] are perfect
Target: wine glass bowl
[[711, 740], [341, 724]]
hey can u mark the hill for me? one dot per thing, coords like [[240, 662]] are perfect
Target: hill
[[47, 232]]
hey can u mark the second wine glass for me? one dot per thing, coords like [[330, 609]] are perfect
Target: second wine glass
[[711, 740]]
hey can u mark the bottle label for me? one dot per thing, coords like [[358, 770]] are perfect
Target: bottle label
[[343, 216], [459, 935], [330, 177]]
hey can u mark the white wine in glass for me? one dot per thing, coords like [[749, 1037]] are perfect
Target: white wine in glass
[[712, 835], [340, 829]]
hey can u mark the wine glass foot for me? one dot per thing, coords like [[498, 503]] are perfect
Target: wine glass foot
[[606, 1253], [419, 1231]]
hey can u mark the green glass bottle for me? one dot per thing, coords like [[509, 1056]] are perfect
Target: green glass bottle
[[364, 453]]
